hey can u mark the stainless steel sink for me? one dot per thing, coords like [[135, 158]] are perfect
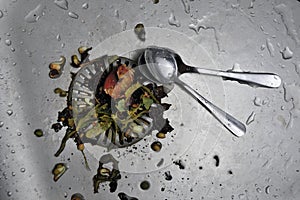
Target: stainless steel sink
[[201, 160]]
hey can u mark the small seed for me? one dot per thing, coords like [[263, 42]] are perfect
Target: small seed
[[140, 32], [75, 61], [57, 90], [105, 172], [38, 133], [80, 147], [63, 93], [83, 50], [58, 170], [77, 196], [54, 74], [161, 135], [58, 65], [145, 185], [156, 146]]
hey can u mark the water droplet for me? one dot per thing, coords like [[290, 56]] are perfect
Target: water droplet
[[19, 134], [257, 101], [12, 49], [9, 112], [236, 67], [35, 14], [12, 151], [73, 15], [288, 21], [287, 53], [85, 6], [9, 193], [145, 185], [251, 4], [186, 6], [22, 170], [28, 53], [265, 101], [8, 42], [270, 47], [1, 14], [58, 37], [251, 118], [1, 124], [62, 4], [197, 27], [173, 21], [258, 190], [242, 196], [123, 24], [13, 173], [65, 194], [116, 13], [267, 189]]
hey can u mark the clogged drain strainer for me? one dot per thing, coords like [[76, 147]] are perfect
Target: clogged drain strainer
[[112, 105]]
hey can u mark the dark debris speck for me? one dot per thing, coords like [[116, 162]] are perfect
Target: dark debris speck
[[217, 159], [180, 164]]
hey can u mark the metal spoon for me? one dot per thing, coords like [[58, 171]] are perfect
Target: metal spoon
[[161, 67], [262, 79]]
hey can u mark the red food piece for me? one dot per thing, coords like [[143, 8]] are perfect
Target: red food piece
[[110, 82]]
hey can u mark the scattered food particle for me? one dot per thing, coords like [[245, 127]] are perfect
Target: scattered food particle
[[168, 176], [180, 164], [124, 196], [217, 159], [140, 32], [56, 67], [161, 135], [145, 185], [156, 146], [38, 133], [58, 170], [77, 196], [160, 162]]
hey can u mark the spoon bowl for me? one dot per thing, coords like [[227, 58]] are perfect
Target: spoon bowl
[[161, 67]]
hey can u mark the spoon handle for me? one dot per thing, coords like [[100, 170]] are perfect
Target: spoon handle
[[258, 78], [233, 125]]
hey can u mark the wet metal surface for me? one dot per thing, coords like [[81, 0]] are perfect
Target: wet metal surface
[[200, 160]]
